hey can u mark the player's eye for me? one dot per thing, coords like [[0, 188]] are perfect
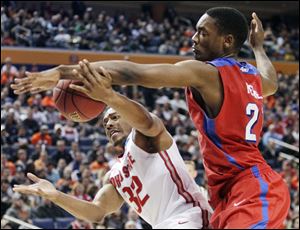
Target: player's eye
[[203, 33], [115, 117]]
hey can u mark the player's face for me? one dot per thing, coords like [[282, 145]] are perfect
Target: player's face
[[208, 43], [116, 128]]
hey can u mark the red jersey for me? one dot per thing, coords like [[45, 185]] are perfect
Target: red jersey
[[229, 142]]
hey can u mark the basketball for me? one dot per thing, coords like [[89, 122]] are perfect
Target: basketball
[[75, 105]]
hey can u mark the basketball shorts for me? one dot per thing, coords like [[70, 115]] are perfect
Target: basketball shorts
[[258, 199]]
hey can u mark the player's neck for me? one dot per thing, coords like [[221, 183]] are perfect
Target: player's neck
[[230, 55]]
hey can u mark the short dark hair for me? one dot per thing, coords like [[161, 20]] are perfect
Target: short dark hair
[[230, 21]]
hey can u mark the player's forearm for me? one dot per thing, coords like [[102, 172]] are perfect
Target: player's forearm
[[122, 72], [79, 208], [130, 73], [265, 67], [134, 113]]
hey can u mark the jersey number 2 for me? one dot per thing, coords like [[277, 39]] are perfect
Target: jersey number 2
[[251, 109], [133, 191]]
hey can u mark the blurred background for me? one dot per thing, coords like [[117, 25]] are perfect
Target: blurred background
[[75, 156]]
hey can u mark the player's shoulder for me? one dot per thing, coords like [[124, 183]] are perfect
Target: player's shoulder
[[202, 71], [194, 64], [243, 66]]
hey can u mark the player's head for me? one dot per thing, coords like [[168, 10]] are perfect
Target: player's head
[[116, 128], [221, 31]]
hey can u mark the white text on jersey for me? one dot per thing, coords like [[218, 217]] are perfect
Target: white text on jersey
[[117, 179], [252, 91]]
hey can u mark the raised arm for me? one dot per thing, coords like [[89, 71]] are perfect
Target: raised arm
[[185, 73], [264, 65], [106, 201], [97, 85]]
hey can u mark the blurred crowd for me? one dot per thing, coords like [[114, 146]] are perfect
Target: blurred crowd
[[80, 27], [36, 138], [75, 156]]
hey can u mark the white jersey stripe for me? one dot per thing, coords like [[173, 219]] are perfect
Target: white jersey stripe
[[191, 198], [173, 176], [177, 180]]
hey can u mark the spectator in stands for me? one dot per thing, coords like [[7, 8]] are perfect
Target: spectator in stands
[[8, 167], [110, 154], [74, 148], [116, 220], [30, 124], [77, 161], [178, 103], [6, 195], [100, 164], [56, 135], [92, 153], [78, 191], [61, 153], [47, 100], [41, 162], [80, 224], [130, 224], [19, 177], [181, 135], [11, 124], [42, 137], [61, 165], [185, 49], [22, 137], [21, 158], [19, 209], [46, 209], [271, 133], [65, 183], [8, 71], [124, 34], [133, 216], [52, 173], [70, 132], [191, 166]]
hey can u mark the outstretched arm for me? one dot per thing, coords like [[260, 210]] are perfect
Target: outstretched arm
[[106, 201], [97, 85], [264, 65], [185, 73]]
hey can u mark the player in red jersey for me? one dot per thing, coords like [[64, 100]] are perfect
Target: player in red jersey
[[225, 99]]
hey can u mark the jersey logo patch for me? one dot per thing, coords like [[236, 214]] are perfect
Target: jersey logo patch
[[244, 69], [182, 222]]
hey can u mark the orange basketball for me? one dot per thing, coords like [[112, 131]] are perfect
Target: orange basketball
[[75, 105]]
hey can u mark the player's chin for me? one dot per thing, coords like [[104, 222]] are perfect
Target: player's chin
[[198, 57], [117, 139]]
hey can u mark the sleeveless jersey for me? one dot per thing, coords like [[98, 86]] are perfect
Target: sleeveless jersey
[[229, 142], [158, 187]]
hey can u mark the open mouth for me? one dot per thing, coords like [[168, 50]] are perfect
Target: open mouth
[[113, 133]]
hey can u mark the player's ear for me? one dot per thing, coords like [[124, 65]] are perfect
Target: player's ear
[[228, 41]]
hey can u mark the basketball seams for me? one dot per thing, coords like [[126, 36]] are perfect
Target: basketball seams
[[78, 110], [74, 101], [74, 92], [57, 98]]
